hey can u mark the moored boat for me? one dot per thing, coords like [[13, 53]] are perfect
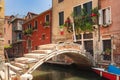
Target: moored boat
[[113, 73]]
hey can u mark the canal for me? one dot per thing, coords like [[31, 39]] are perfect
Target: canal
[[55, 72]]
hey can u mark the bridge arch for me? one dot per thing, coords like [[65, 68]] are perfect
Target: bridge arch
[[73, 51]]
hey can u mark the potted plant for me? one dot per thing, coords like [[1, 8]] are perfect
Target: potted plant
[[85, 21], [68, 24], [94, 15], [107, 55], [62, 29], [28, 31], [46, 24], [8, 47]]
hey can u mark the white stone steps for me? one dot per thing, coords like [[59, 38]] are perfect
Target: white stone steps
[[11, 74], [21, 65], [15, 68], [42, 51], [47, 47], [25, 60], [33, 55]]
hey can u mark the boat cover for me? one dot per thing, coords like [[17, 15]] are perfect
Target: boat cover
[[114, 69]]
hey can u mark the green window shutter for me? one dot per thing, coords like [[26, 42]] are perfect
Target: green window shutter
[[61, 18]]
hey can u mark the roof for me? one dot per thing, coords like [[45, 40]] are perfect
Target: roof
[[37, 15]]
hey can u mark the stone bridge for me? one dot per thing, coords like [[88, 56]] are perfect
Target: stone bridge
[[32, 60], [72, 50]]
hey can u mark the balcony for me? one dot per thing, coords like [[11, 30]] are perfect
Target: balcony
[[19, 38], [18, 28]]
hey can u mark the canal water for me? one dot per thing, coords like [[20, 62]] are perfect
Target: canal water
[[53, 72]]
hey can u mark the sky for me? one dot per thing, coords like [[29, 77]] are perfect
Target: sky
[[22, 7]]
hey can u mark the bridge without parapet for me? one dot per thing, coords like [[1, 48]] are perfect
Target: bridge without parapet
[[72, 50]]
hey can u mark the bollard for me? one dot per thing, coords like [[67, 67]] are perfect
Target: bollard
[[26, 77]]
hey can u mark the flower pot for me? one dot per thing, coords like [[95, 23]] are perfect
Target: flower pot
[[61, 31]]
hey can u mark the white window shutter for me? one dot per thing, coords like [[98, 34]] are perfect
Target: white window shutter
[[108, 21], [100, 17], [110, 16]]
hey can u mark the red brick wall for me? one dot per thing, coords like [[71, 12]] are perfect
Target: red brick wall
[[36, 36], [114, 28]]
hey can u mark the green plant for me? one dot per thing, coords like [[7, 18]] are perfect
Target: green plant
[[68, 24], [47, 23], [95, 12], [84, 21], [8, 47], [62, 26], [107, 50], [94, 15], [28, 31]]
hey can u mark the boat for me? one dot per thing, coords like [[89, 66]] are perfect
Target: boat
[[113, 72]]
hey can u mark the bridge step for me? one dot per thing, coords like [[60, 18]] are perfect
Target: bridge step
[[11, 74], [41, 51], [47, 47], [25, 60], [15, 68], [33, 55], [21, 65]]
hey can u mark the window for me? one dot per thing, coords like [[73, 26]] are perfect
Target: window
[[60, 1], [107, 49], [43, 36], [29, 26], [19, 36], [61, 18], [77, 10], [8, 41], [5, 30], [88, 7], [36, 24], [47, 18], [105, 16], [20, 22]]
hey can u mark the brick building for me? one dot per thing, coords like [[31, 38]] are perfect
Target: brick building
[[110, 27], [37, 31]]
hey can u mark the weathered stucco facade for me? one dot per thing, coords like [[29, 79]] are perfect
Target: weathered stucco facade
[[1, 26], [88, 41], [66, 6]]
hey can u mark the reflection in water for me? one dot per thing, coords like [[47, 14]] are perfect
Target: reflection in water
[[48, 72]]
